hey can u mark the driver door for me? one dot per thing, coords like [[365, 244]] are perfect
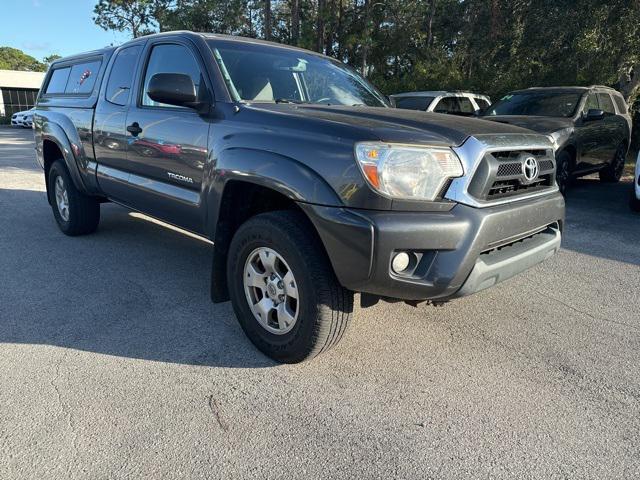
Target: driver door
[[589, 133], [167, 144]]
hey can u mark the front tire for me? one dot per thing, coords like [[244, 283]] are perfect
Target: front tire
[[284, 292], [75, 213], [613, 171], [563, 171]]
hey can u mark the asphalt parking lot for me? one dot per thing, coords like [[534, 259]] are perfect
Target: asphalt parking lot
[[114, 363]]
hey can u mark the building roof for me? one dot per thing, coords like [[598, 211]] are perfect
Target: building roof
[[18, 79]]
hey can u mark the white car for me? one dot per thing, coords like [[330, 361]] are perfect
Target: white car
[[23, 119], [634, 202], [454, 103]]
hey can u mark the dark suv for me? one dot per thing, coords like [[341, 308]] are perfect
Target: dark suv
[[590, 127], [308, 184]]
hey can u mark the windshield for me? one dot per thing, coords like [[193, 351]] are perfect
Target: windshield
[[262, 73], [544, 104]]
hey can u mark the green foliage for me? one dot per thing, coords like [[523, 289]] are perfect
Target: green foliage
[[50, 59], [14, 59], [491, 46], [135, 16]]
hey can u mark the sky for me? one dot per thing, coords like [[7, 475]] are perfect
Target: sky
[[44, 27]]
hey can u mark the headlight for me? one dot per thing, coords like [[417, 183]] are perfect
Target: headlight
[[405, 171]]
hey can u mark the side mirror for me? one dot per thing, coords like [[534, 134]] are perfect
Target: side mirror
[[593, 114], [173, 89]]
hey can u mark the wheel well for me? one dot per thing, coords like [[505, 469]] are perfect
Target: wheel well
[[50, 153], [241, 201]]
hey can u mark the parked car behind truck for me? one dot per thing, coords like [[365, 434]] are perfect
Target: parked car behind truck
[[590, 127], [466, 104], [309, 185]]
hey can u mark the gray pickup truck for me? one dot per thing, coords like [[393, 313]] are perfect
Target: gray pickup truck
[[310, 186]]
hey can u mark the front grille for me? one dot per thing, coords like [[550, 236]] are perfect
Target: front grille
[[501, 174], [508, 188], [509, 169], [514, 154]]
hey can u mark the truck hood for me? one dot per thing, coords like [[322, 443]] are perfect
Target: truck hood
[[544, 125], [391, 124]]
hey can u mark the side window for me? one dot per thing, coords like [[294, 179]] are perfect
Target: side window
[[605, 103], [82, 78], [591, 103], [121, 76], [171, 59], [466, 107], [58, 80], [482, 103], [413, 103], [447, 105], [620, 103]]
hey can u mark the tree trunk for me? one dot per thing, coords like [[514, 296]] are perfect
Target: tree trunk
[[328, 38], [320, 27], [339, 34], [267, 19], [365, 39], [295, 22], [430, 17], [629, 81]]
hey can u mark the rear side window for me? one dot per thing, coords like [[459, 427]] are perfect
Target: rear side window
[[413, 103], [82, 78], [448, 105], [121, 76], [466, 107], [58, 80], [605, 103], [482, 103], [621, 104]]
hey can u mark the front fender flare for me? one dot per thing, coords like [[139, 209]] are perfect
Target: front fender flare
[[282, 174]]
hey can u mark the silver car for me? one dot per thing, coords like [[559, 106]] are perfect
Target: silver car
[[453, 103], [23, 119]]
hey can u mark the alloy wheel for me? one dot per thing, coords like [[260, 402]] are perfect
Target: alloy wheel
[[62, 198], [271, 290]]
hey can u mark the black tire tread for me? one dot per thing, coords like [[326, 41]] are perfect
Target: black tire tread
[[84, 210], [335, 303], [608, 174]]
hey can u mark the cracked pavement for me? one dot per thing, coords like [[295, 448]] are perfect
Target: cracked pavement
[[114, 363]]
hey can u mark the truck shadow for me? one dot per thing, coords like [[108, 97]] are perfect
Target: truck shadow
[[140, 289], [134, 289], [599, 222]]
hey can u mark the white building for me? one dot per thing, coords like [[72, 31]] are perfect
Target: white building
[[18, 90]]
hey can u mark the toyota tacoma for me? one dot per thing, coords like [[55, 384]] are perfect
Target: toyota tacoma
[[310, 186]]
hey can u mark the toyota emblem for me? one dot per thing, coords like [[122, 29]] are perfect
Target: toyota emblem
[[530, 169]]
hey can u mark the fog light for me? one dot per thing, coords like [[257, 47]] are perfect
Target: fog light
[[400, 262]]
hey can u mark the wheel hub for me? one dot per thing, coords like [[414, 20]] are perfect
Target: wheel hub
[[271, 290], [275, 288]]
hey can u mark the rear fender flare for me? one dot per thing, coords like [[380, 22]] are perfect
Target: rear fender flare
[[53, 132]]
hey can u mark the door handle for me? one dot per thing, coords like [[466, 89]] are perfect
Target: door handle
[[134, 129]]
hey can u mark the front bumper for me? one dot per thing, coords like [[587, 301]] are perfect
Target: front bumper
[[458, 252]]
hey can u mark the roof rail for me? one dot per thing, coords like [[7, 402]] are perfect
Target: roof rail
[[602, 86]]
